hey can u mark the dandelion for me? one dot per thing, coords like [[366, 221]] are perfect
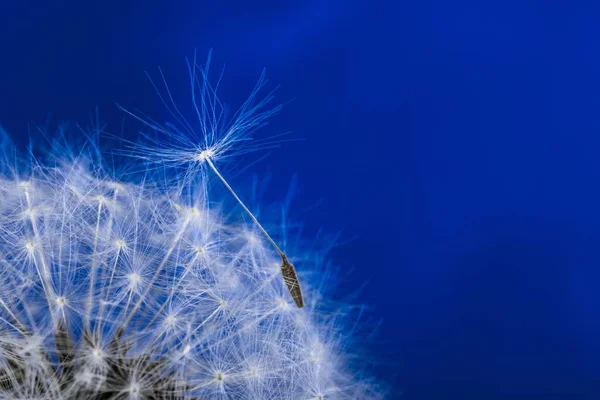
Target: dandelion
[[144, 289], [220, 137]]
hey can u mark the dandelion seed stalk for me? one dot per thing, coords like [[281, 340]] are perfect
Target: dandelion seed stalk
[[287, 268]]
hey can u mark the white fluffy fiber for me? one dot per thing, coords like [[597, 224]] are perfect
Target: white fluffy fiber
[[153, 289]]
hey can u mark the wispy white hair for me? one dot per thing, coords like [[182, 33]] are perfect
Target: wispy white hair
[[126, 288]]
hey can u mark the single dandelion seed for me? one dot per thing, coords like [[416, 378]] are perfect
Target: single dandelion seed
[[287, 268], [216, 139]]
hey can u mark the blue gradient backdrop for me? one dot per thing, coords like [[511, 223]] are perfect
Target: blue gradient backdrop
[[458, 142]]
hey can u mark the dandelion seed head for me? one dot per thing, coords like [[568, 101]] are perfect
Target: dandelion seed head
[[145, 287]]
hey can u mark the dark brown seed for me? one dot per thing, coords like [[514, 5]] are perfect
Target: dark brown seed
[[291, 280]]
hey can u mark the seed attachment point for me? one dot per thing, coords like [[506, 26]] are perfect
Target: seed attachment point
[[205, 155]]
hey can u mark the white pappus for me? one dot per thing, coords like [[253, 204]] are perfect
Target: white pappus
[[136, 288]]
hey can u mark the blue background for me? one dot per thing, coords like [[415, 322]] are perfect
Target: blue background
[[455, 143]]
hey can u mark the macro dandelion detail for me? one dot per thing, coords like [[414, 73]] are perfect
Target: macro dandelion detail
[[146, 288]]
